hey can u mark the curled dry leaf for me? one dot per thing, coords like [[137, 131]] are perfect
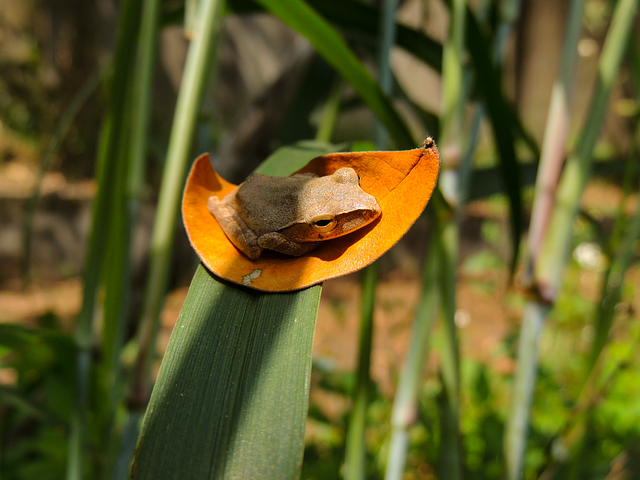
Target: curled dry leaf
[[402, 182]]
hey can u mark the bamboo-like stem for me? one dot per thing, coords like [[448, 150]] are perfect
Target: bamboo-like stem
[[141, 108], [385, 76], [355, 448], [107, 169], [405, 404], [162, 238], [553, 146], [552, 156], [117, 270], [142, 90], [355, 465], [453, 86], [555, 246], [523, 387], [453, 99], [550, 249]]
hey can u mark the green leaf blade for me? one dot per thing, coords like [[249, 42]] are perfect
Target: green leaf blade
[[232, 394], [330, 45], [490, 86]]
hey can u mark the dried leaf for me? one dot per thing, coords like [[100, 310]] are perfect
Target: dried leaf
[[402, 182]]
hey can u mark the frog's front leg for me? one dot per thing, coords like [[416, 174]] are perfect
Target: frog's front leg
[[279, 243], [235, 228]]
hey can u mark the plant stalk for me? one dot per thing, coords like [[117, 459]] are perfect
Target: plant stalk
[[180, 141]]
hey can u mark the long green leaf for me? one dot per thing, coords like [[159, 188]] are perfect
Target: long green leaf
[[360, 19], [356, 17], [328, 43], [232, 393], [268, 366], [489, 83]]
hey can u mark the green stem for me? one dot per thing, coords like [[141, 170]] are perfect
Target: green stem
[[550, 166], [355, 455], [523, 388], [142, 90], [553, 146], [447, 238], [551, 249], [182, 133], [330, 112], [555, 246], [107, 169], [385, 76], [405, 404]]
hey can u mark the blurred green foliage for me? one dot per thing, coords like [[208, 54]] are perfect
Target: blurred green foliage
[[614, 426]]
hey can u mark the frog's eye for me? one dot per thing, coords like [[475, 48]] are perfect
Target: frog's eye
[[324, 223]]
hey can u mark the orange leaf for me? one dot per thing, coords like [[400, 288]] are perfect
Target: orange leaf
[[402, 182]]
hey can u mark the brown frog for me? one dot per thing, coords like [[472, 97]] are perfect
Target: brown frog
[[293, 215]]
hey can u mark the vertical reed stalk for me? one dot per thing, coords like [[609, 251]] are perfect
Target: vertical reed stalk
[[355, 465], [551, 160], [552, 234], [356, 452], [453, 100], [555, 246], [555, 135], [182, 132], [107, 171], [405, 404]]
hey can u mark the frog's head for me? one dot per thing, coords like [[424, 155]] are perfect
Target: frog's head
[[332, 206]]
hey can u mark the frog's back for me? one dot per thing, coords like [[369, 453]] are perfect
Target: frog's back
[[268, 204]]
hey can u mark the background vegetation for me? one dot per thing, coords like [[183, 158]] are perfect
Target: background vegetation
[[534, 229]]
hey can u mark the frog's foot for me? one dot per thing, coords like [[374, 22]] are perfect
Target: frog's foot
[[279, 243], [234, 228]]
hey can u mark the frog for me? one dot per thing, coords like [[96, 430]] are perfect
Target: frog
[[293, 215]]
